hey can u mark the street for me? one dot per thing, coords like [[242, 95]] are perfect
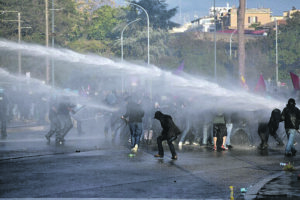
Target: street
[[88, 166]]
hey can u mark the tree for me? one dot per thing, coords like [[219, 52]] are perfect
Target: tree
[[33, 15], [103, 22], [159, 15]]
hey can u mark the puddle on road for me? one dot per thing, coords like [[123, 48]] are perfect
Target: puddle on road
[[285, 187]]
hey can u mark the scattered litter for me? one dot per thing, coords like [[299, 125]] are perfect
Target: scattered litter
[[282, 164], [131, 155], [243, 190]]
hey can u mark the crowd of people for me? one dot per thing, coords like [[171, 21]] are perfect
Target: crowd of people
[[153, 120], [213, 128]]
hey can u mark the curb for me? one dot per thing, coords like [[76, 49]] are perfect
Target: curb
[[253, 191]]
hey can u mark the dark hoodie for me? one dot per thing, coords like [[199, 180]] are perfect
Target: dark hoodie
[[291, 115], [168, 125]]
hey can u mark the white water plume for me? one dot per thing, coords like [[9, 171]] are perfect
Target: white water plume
[[205, 94]]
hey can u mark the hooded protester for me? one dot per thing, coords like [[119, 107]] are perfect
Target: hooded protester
[[170, 132], [291, 117], [270, 128]]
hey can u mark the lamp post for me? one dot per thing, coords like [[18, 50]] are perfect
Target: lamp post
[[52, 39], [215, 44], [122, 36], [276, 51], [231, 41], [147, 27], [19, 34]]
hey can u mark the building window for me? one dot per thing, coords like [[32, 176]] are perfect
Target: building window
[[252, 20]]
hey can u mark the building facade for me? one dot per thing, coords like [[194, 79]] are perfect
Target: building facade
[[253, 16]]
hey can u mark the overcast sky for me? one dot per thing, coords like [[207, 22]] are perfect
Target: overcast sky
[[191, 9]]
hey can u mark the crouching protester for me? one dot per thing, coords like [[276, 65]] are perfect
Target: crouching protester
[[291, 117], [269, 128], [170, 132]]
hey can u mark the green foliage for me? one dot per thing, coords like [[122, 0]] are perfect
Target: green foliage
[[159, 15], [103, 22], [33, 15], [288, 45]]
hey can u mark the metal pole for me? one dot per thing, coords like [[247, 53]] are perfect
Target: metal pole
[[215, 40], [47, 40], [148, 22], [52, 61], [276, 51], [19, 42], [231, 41], [122, 36]]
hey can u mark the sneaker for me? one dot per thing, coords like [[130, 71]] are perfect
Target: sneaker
[[224, 148], [195, 143], [186, 143], [158, 156], [294, 152], [135, 148], [174, 157], [215, 148]]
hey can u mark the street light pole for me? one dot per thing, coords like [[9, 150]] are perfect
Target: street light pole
[[231, 41], [215, 44], [19, 42], [47, 40], [122, 36], [147, 27], [276, 51], [52, 35], [19, 36]]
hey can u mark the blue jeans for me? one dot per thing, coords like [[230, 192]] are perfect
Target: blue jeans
[[229, 129], [136, 130], [291, 133]]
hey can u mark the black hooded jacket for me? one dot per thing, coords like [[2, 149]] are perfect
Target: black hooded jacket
[[291, 117], [167, 124], [274, 121]]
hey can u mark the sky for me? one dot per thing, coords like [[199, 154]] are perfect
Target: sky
[[191, 9]]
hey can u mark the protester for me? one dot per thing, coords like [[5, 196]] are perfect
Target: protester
[[269, 128], [64, 109], [291, 117], [219, 132], [135, 114], [54, 122], [170, 132]]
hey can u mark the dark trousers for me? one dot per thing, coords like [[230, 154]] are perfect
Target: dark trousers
[[160, 139]]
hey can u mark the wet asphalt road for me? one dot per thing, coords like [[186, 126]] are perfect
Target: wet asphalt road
[[88, 166]]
